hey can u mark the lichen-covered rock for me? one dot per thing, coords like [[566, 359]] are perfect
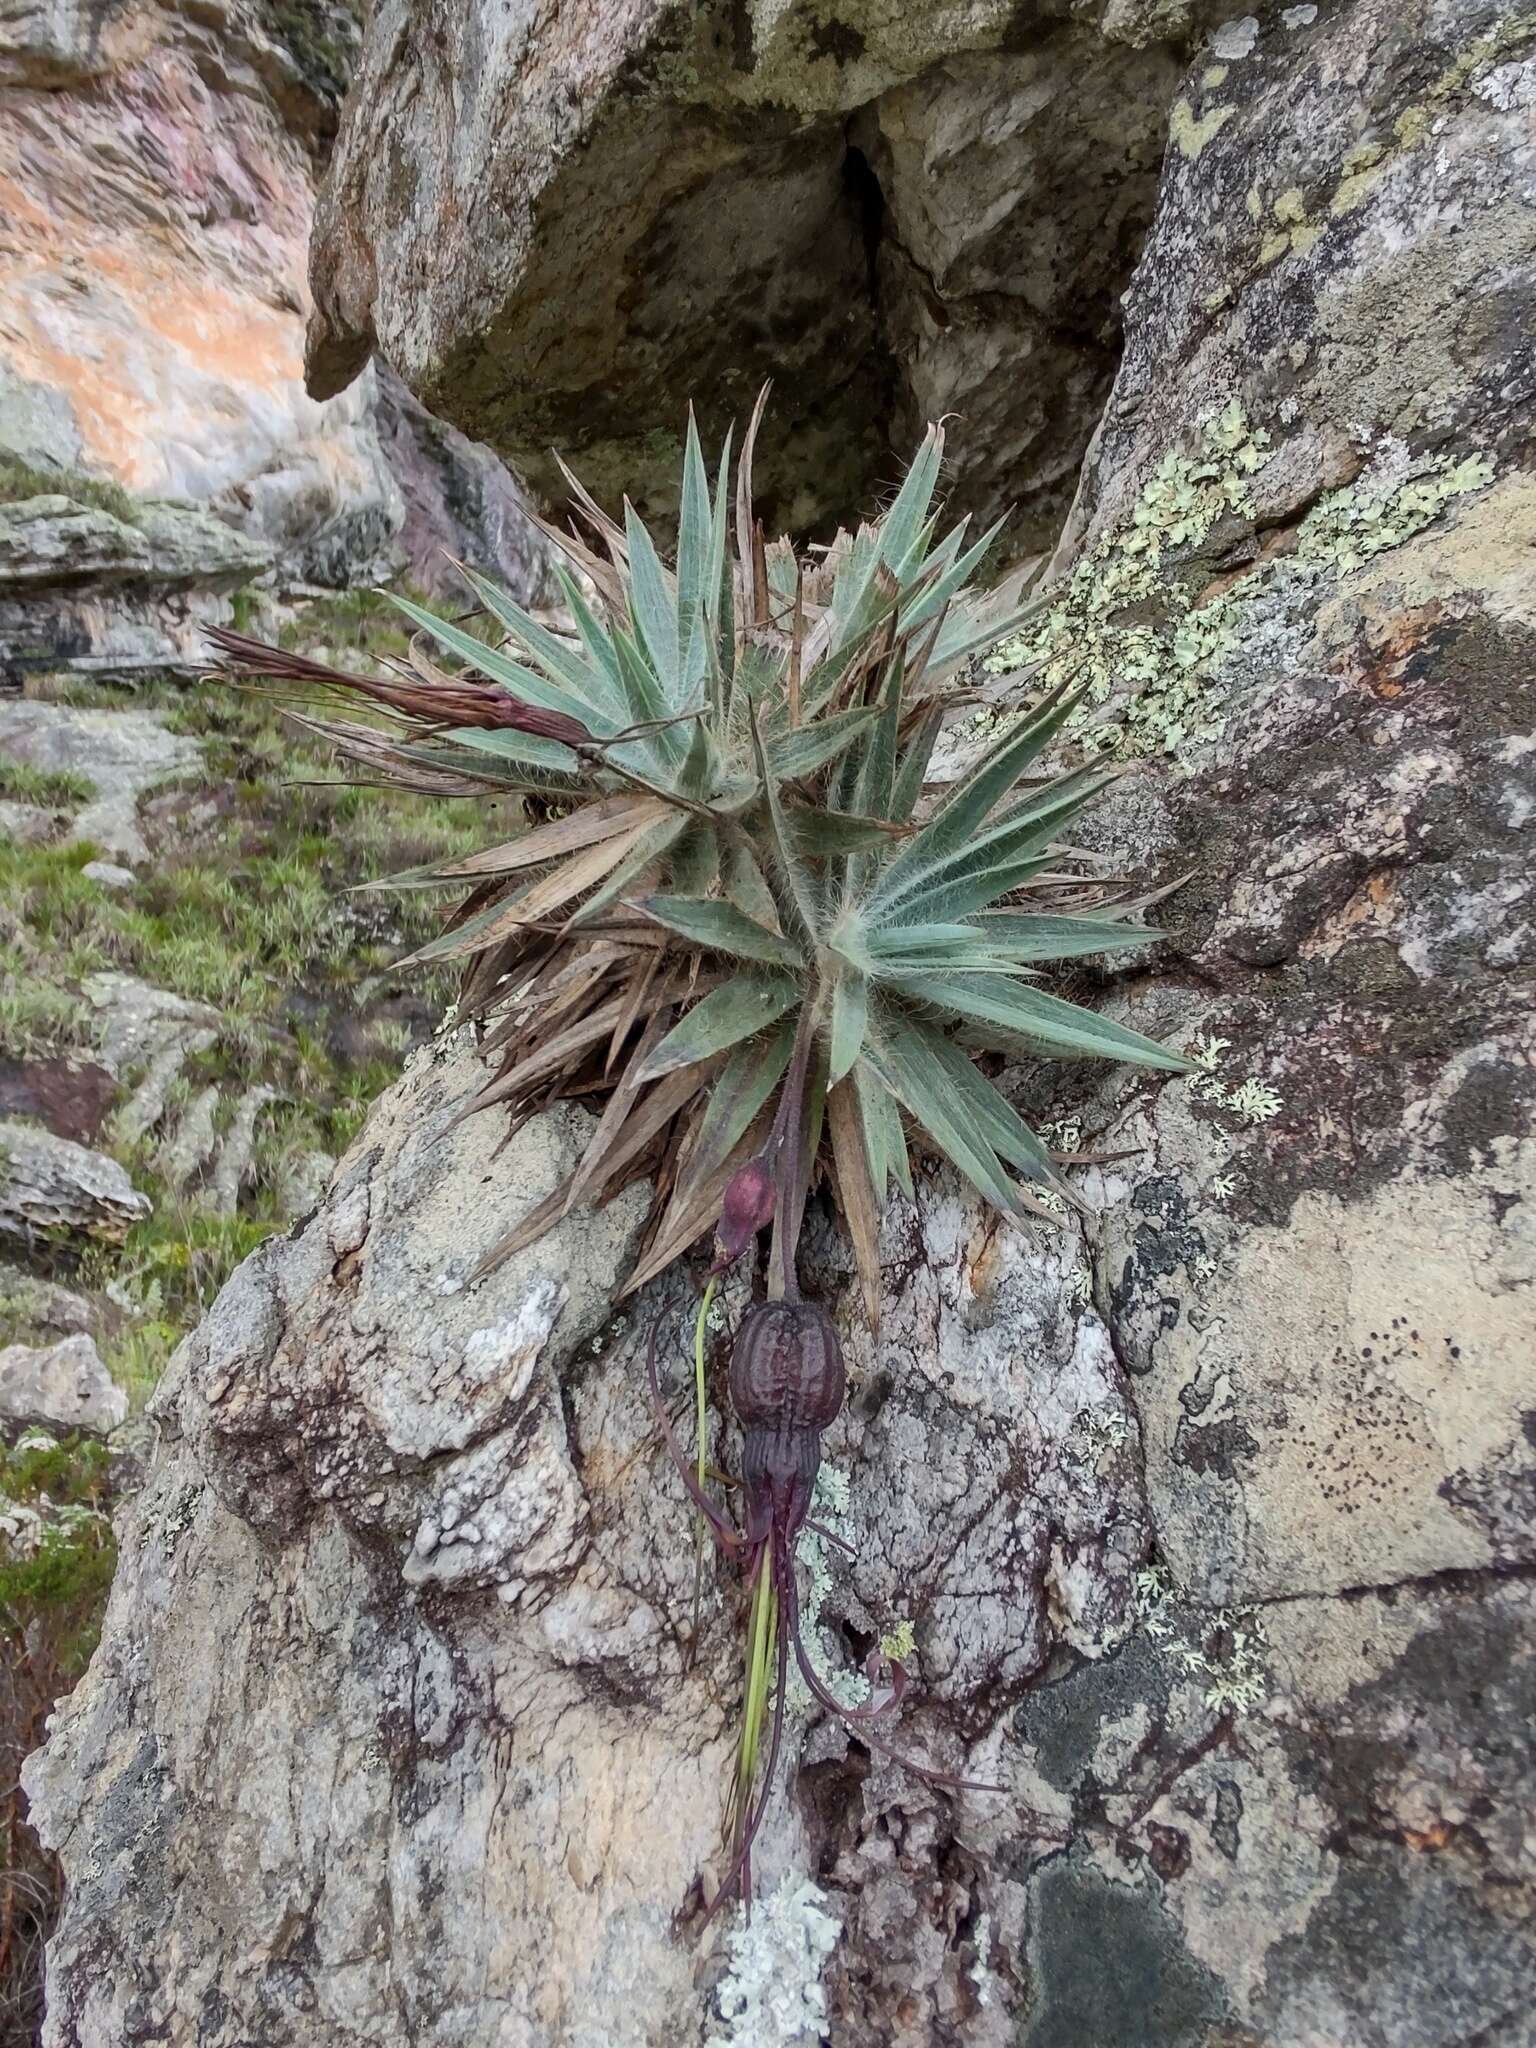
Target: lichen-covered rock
[[53, 1190], [122, 754], [561, 227], [457, 1569], [1213, 1522], [59, 1387]]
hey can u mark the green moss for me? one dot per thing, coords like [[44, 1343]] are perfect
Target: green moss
[[20, 481]]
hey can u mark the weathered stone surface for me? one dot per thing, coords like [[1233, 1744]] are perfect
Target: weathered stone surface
[[461, 504], [59, 1387], [123, 753], [357, 1432], [152, 260], [109, 874], [42, 1307], [1214, 1521], [52, 539], [135, 1022], [70, 1095], [562, 228], [30, 824], [158, 163], [53, 1189]]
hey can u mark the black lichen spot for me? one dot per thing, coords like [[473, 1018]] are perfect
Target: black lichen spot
[[837, 40], [1224, 1826], [1170, 1851], [1108, 1966], [1215, 1448]]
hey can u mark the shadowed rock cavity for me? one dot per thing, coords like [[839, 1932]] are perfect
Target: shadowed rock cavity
[[561, 227]]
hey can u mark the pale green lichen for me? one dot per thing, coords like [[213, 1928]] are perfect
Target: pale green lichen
[[1096, 1430], [897, 1644], [1220, 1186], [1229, 1651], [1065, 1135], [1206, 1052], [1096, 630], [1230, 1656], [829, 1506], [1255, 1102], [1251, 1101], [1348, 527], [1139, 620], [1152, 1598], [771, 1995], [1191, 132]]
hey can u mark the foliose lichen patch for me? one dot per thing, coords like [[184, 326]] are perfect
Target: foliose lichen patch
[[1145, 622], [771, 1997]]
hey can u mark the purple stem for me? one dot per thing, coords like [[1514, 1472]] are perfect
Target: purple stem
[[787, 1141]]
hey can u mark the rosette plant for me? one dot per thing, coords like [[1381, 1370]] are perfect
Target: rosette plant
[[732, 850]]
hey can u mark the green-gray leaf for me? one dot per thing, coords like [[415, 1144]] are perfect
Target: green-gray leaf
[[737, 1010], [722, 928], [903, 1059], [1044, 1022], [850, 1012], [794, 754]]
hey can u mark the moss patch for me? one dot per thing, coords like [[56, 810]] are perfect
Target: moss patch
[[20, 481]]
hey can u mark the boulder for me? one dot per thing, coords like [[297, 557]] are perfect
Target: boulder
[[61, 1387], [43, 1307], [52, 1190]]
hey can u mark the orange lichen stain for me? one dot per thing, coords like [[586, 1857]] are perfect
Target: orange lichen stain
[[1437, 1837], [1383, 657], [1369, 913], [230, 336]]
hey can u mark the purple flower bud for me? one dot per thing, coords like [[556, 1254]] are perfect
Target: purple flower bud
[[747, 1207]]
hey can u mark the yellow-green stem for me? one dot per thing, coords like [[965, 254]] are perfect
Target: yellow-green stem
[[700, 1531], [761, 1630]]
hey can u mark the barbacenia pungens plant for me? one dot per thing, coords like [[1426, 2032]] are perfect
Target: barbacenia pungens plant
[[737, 922], [729, 839]]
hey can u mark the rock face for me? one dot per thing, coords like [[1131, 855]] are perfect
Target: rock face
[[560, 228], [158, 163], [1216, 1523], [153, 262]]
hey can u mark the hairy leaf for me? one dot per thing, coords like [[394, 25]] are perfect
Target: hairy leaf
[[1044, 1021], [739, 1009], [722, 928]]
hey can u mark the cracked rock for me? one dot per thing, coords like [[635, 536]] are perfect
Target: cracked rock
[[59, 1387]]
